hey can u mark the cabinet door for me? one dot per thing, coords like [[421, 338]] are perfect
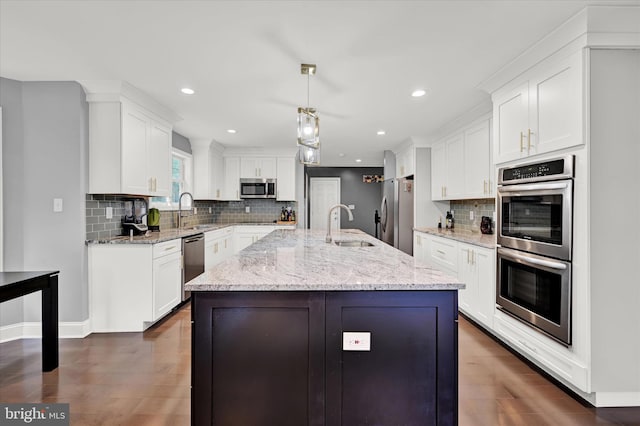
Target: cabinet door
[[485, 264], [249, 167], [286, 179], [231, 178], [217, 175], [384, 386], [511, 118], [159, 155], [167, 279], [477, 161], [454, 188], [267, 168], [244, 240], [556, 103], [438, 171], [467, 274], [258, 358], [135, 135]]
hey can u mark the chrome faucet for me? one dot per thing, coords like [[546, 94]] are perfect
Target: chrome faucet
[[342, 206], [180, 206]]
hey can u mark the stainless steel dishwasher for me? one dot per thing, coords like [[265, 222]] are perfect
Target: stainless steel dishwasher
[[193, 260]]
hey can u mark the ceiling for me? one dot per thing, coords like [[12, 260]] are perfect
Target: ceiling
[[243, 59]]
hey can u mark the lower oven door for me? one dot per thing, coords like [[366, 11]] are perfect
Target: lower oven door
[[536, 290]]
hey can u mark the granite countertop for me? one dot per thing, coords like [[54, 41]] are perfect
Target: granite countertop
[[154, 237], [301, 260], [476, 238]]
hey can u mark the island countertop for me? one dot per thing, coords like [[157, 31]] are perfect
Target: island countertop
[[301, 260]]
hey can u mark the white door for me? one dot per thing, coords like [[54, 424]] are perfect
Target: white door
[[324, 193]]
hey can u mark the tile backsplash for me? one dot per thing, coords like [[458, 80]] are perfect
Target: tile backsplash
[[462, 209], [260, 211]]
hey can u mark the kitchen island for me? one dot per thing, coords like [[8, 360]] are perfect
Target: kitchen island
[[297, 331]]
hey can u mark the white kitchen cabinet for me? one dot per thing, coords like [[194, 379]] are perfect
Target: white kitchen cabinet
[[217, 175], [405, 162], [476, 269], [133, 285], [258, 167], [438, 172], [443, 253], [541, 111], [167, 277], [245, 235], [422, 247], [231, 178], [218, 246], [478, 161], [129, 150], [455, 160], [286, 179], [461, 164]]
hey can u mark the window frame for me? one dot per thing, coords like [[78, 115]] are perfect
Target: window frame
[[187, 185]]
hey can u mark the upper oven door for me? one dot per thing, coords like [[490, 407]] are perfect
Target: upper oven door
[[537, 217]]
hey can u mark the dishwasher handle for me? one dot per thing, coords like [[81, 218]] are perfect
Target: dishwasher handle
[[193, 239]]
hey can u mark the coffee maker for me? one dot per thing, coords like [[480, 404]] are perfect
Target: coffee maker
[[134, 220]]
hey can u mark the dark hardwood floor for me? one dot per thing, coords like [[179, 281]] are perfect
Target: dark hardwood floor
[[144, 379]]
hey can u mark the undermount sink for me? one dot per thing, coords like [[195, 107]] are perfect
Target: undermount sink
[[353, 243]]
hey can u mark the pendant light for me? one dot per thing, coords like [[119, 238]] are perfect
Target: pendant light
[[308, 125]]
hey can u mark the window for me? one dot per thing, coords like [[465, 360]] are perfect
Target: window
[[181, 181]]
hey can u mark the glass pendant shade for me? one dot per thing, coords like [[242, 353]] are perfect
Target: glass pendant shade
[[309, 154], [308, 127]]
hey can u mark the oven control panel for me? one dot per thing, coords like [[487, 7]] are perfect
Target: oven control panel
[[547, 170]]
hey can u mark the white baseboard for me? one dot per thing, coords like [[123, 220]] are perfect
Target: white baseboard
[[32, 330], [617, 399]]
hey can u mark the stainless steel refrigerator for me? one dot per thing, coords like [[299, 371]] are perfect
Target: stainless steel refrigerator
[[396, 211]]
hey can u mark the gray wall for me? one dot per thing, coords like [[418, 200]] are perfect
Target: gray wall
[[180, 142], [45, 143], [365, 196]]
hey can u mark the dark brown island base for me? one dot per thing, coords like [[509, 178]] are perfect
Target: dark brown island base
[[296, 331]]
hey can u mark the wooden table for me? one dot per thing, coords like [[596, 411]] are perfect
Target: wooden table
[[16, 284]]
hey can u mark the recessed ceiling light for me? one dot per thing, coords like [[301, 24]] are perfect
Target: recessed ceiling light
[[341, 154], [231, 131], [418, 93], [358, 160], [187, 91], [381, 133]]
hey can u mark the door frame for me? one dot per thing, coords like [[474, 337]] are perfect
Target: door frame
[[319, 179]]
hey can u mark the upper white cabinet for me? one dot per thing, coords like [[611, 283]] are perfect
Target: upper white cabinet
[[231, 178], [286, 179], [258, 167], [405, 162], [541, 111], [208, 170], [478, 164], [129, 142], [461, 166]]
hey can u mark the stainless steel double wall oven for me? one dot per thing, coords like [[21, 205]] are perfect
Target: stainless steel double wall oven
[[535, 215]]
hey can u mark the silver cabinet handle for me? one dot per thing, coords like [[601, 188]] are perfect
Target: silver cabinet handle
[[440, 251]]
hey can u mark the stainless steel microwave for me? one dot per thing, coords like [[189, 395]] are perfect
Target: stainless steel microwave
[[257, 188]]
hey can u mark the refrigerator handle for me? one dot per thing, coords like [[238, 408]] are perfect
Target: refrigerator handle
[[383, 215]]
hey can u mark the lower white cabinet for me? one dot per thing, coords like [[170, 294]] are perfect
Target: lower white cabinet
[[167, 277], [244, 236], [473, 265], [133, 285], [218, 245], [477, 269]]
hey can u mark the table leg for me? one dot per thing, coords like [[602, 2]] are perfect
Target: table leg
[[50, 325]]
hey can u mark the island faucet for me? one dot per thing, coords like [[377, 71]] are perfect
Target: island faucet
[[180, 206], [342, 206]]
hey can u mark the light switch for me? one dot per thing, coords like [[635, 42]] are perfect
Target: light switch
[[109, 212], [247, 209], [57, 205], [356, 341]]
